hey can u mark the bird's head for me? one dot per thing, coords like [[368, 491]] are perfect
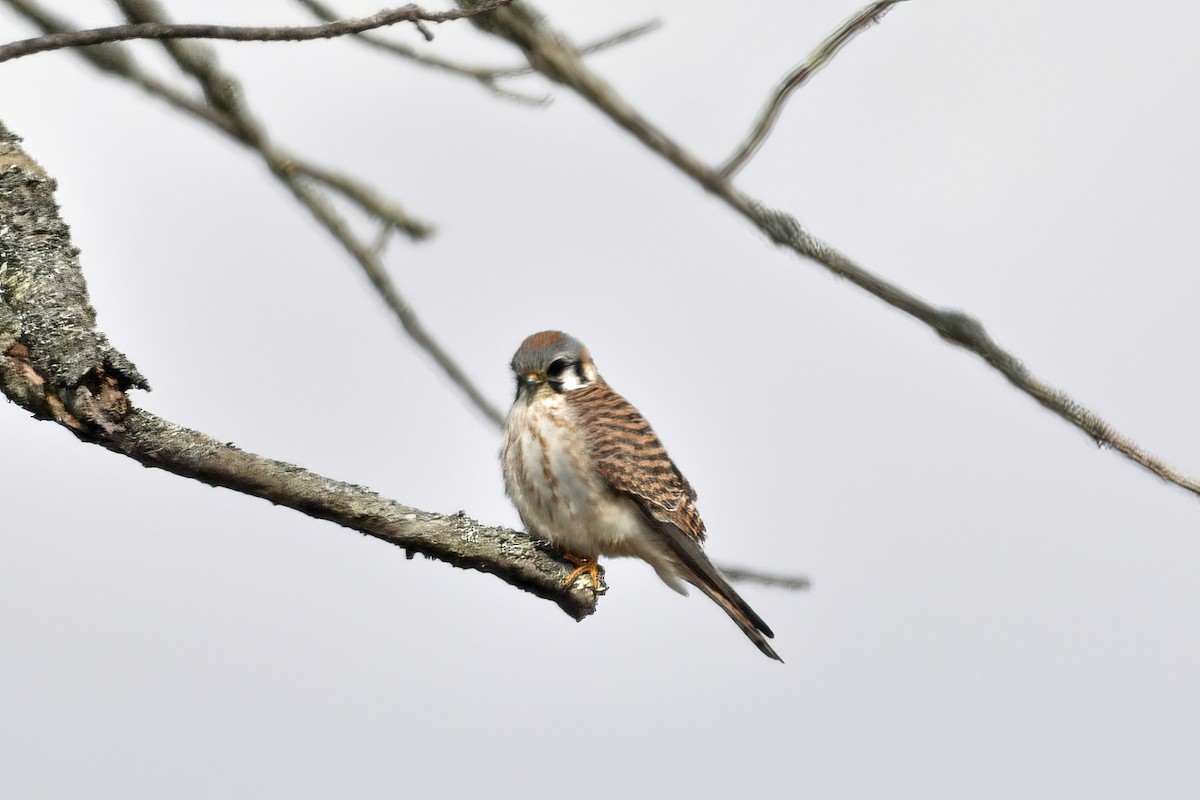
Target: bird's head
[[552, 361]]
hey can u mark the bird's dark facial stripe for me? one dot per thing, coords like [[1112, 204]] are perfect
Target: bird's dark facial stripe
[[556, 369], [567, 373], [556, 372]]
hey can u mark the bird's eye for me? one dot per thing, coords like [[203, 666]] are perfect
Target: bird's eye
[[557, 368]]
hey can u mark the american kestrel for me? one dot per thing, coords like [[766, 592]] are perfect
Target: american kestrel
[[586, 472]]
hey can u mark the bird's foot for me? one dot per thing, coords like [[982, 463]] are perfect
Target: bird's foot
[[585, 566]]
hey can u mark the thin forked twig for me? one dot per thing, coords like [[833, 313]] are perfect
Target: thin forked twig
[[799, 76], [116, 59], [367, 258], [603, 43], [160, 30], [484, 75], [220, 87], [553, 56], [364, 196], [487, 76]]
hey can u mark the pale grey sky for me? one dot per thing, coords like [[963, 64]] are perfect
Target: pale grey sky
[[998, 610]]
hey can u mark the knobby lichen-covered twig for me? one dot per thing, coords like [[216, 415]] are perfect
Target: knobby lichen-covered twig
[[57, 365], [552, 54], [799, 76], [236, 33], [226, 110]]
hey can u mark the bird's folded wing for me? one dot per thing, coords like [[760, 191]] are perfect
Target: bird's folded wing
[[632, 460]]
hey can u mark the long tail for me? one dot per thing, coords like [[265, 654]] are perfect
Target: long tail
[[704, 575], [751, 624]]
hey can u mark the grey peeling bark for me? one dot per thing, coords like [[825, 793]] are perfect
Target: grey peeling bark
[[57, 365], [41, 284]]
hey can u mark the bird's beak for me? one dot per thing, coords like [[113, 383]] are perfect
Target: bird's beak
[[529, 382]]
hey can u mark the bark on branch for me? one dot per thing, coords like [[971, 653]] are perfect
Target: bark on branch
[[57, 365]]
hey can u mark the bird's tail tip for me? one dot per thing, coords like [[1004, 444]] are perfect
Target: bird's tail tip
[[740, 612], [760, 640]]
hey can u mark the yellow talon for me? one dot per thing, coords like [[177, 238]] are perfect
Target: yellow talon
[[584, 566]]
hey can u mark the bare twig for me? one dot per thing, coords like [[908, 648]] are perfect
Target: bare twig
[[223, 92], [799, 76], [739, 575], [55, 364], [484, 75], [552, 55], [367, 258], [487, 76], [161, 30], [596, 46], [366, 198], [116, 59], [621, 37]]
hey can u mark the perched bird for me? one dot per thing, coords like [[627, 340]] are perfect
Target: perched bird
[[587, 473]]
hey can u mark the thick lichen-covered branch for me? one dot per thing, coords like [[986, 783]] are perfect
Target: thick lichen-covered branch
[[57, 365]]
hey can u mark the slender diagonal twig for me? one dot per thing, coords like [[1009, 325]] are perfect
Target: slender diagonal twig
[[222, 90], [367, 258], [620, 37], [236, 33], [366, 198], [551, 54], [738, 574], [799, 76]]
